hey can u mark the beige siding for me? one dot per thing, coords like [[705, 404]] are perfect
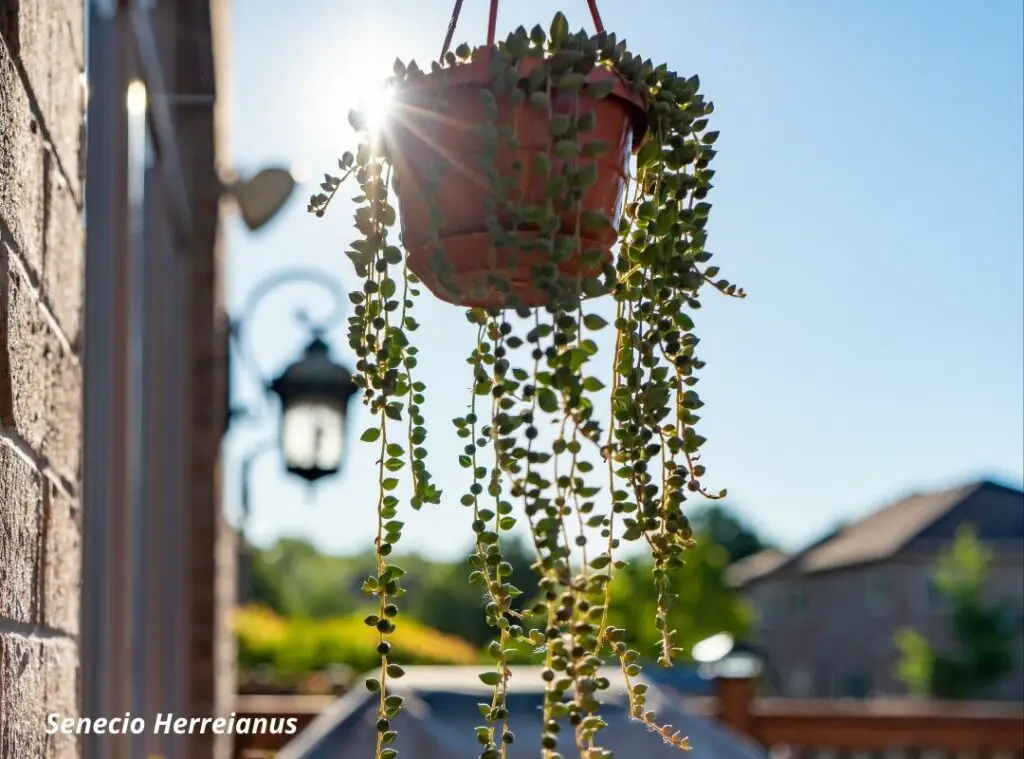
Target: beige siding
[[849, 620]]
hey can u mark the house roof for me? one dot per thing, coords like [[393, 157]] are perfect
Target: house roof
[[878, 536], [440, 717], [755, 565]]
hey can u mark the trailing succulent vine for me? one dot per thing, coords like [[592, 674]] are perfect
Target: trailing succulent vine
[[590, 464]]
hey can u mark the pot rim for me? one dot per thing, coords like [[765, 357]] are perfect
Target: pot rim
[[476, 73]]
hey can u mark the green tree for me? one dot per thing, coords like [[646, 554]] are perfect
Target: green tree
[[723, 526], [447, 602], [294, 579], [266, 582], [703, 604], [985, 634]]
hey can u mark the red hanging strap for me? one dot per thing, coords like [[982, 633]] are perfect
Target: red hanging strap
[[451, 29], [492, 22], [596, 15]]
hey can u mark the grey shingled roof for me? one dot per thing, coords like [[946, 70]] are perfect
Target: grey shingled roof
[[755, 565], [441, 713], [879, 535]]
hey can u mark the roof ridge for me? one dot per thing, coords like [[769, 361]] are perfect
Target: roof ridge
[[951, 496], [991, 483], [936, 504], [958, 494], [963, 489]]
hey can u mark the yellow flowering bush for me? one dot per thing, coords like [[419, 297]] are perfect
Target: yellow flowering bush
[[298, 646]]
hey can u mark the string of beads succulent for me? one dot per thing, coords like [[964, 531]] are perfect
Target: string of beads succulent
[[536, 178]]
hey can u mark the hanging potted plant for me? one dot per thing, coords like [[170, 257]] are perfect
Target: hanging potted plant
[[534, 178]]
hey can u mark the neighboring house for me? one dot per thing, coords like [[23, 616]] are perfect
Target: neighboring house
[[827, 615], [441, 713], [115, 570]]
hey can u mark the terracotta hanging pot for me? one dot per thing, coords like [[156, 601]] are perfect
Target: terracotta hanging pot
[[434, 133]]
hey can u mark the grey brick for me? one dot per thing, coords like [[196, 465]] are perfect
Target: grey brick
[[38, 205], [60, 664], [51, 36], [22, 170], [20, 531], [63, 276], [62, 575], [24, 696], [40, 379], [39, 677]]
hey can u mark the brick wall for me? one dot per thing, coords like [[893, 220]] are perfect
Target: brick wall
[[41, 271]]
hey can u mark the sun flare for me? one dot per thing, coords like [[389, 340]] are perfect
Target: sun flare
[[375, 105], [369, 94]]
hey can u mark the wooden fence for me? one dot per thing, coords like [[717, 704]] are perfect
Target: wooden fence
[[883, 728]]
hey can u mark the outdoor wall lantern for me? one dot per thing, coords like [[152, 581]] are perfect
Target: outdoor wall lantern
[[315, 390], [315, 393]]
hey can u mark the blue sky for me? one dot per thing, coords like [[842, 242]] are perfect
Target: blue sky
[[869, 196]]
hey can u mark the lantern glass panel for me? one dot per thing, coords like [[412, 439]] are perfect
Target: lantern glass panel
[[313, 435]]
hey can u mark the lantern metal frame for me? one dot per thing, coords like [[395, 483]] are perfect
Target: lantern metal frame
[[315, 378]]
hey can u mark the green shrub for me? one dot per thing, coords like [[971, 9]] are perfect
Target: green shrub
[[298, 646], [260, 633]]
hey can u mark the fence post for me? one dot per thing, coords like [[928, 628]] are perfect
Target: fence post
[[735, 698]]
